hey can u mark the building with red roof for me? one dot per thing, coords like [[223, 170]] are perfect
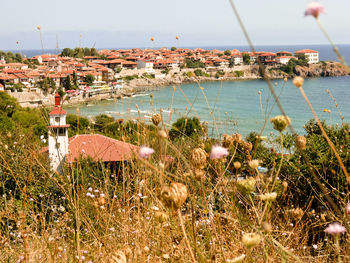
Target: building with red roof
[[311, 55]]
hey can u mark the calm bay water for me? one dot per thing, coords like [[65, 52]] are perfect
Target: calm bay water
[[233, 106]]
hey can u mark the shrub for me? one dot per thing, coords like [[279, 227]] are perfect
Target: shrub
[[186, 127], [239, 73]]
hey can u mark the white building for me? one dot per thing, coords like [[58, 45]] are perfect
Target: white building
[[311, 55], [147, 65], [58, 136], [284, 59]]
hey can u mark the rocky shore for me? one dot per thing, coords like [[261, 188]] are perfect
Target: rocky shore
[[141, 84]]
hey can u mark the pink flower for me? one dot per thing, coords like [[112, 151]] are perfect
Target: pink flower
[[218, 152], [335, 229], [314, 9], [145, 152], [347, 208]]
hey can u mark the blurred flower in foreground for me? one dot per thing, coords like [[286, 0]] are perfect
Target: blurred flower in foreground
[[218, 152], [298, 81], [314, 9], [335, 229], [280, 122], [268, 197], [251, 239], [254, 164], [145, 152]]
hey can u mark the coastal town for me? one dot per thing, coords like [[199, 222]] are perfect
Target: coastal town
[[84, 74]]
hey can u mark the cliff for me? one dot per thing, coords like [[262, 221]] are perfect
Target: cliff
[[323, 69]]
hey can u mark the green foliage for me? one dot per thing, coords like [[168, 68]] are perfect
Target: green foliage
[[118, 69], [148, 76], [77, 125], [11, 57], [227, 53], [67, 83], [302, 60], [239, 73], [89, 79], [173, 48], [130, 77], [102, 120], [8, 104], [190, 63], [79, 52], [165, 71], [186, 127], [219, 74], [246, 58]]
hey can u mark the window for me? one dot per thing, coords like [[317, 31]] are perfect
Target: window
[[57, 119], [61, 132]]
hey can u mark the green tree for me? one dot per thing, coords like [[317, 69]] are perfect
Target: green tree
[[67, 83], [173, 48], [227, 53], [186, 127], [89, 79], [246, 58]]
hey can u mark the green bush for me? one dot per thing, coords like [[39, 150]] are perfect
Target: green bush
[[186, 127], [239, 73]]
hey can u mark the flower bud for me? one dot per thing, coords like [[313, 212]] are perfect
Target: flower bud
[[227, 141]]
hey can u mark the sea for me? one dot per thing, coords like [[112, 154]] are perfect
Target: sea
[[237, 106]]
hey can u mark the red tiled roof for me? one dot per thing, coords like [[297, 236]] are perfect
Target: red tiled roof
[[305, 51], [99, 148], [57, 110]]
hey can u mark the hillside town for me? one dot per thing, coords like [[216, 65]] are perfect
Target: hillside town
[[107, 69]]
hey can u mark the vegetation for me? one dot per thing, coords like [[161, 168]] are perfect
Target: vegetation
[[89, 79], [73, 213], [11, 57], [239, 73], [246, 58], [79, 52], [190, 63]]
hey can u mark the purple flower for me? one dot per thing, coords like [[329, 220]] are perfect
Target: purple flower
[[314, 9], [218, 152], [145, 152], [335, 229]]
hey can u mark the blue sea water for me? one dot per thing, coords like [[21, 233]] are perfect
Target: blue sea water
[[234, 106]]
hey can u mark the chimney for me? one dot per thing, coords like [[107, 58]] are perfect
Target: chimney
[[57, 100]]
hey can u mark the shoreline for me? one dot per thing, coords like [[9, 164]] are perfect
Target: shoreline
[[141, 84]]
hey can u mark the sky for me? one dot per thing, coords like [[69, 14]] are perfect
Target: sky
[[131, 23]]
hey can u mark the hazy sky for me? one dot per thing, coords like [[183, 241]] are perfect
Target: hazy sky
[[131, 23]]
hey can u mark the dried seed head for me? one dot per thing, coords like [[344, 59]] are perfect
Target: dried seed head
[[254, 164], [298, 82], [297, 213], [173, 196], [280, 122], [161, 217], [301, 142], [248, 146], [199, 158], [237, 137], [267, 227], [251, 240], [247, 185], [156, 119], [268, 197], [227, 141], [237, 165]]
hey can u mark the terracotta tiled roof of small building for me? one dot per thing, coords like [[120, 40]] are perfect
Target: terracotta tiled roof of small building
[[99, 148]]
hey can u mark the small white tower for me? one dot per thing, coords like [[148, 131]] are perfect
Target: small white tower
[[58, 136]]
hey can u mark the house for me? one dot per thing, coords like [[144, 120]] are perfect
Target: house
[[267, 58], [284, 59], [145, 64], [63, 150], [311, 55], [2, 88], [221, 63]]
